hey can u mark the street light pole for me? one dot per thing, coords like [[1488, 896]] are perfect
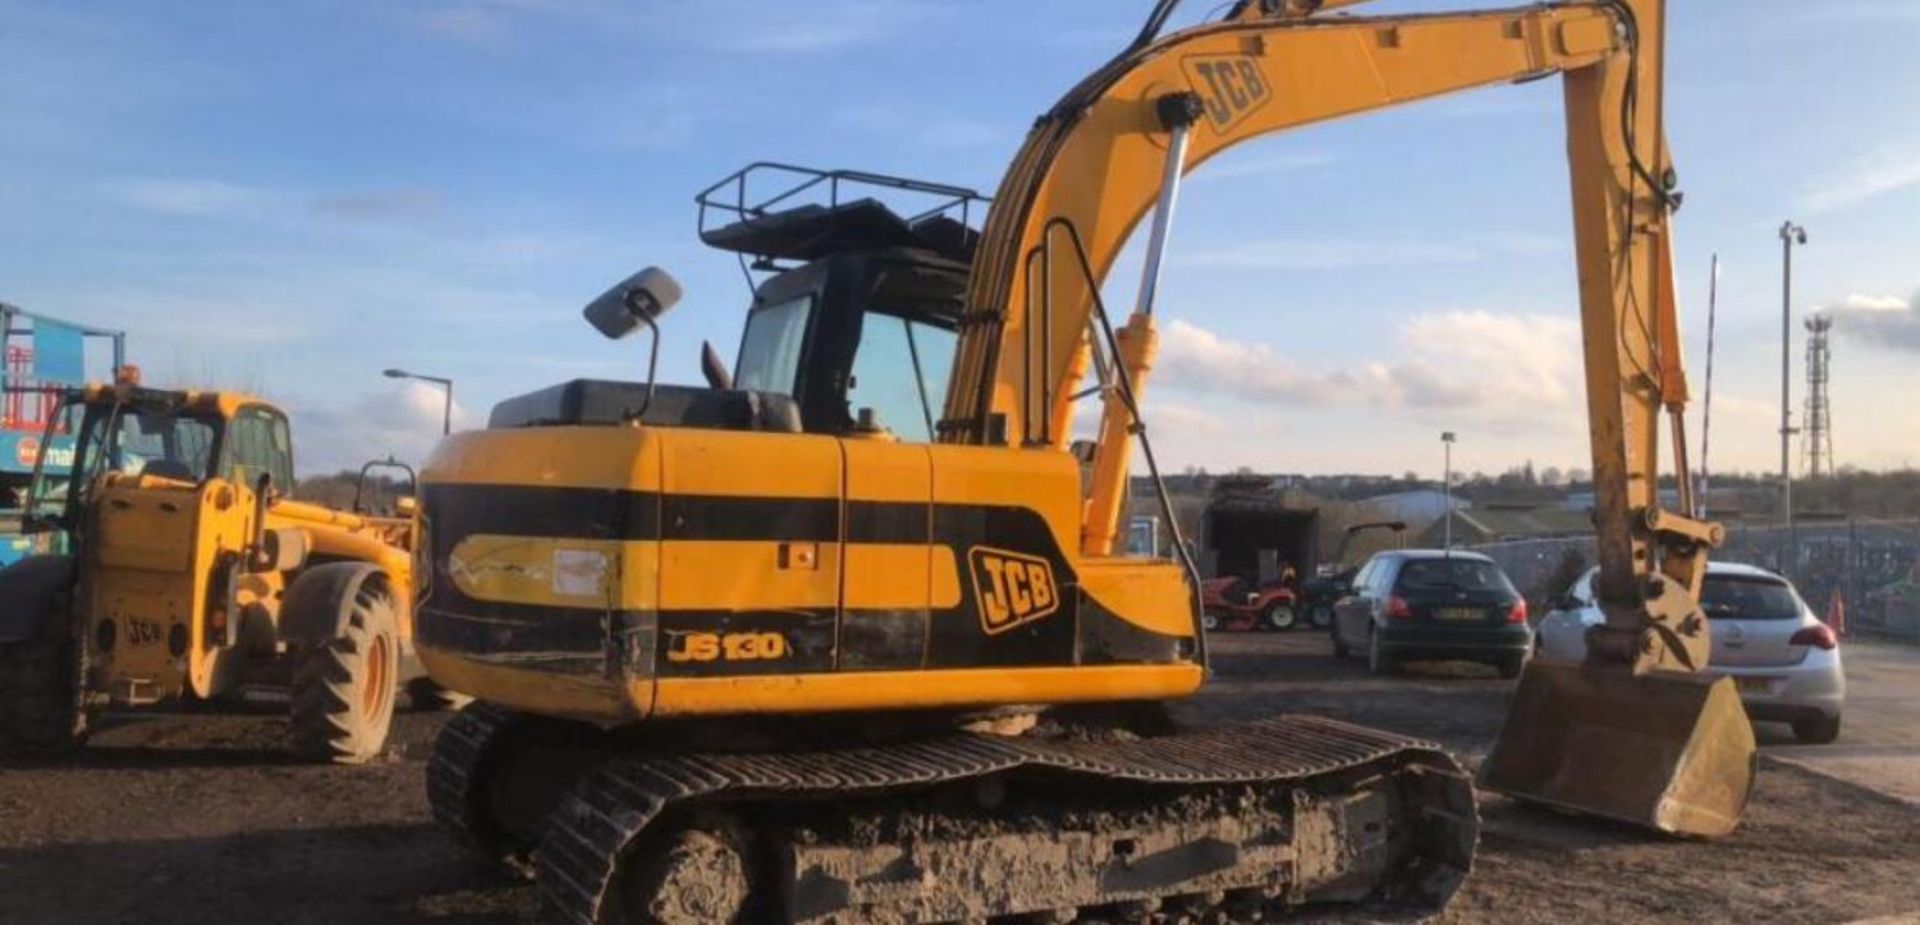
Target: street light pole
[[1790, 234], [1446, 481], [446, 385]]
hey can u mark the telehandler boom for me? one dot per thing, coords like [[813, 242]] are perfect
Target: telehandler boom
[[840, 638]]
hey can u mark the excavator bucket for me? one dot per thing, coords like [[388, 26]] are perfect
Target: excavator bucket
[[1671, 751]]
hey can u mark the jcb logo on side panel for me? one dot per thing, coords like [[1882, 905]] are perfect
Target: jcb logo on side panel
[[1230, 85], [1012, 588]]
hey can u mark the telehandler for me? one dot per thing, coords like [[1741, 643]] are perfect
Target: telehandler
[[191, 572], [846, 635]]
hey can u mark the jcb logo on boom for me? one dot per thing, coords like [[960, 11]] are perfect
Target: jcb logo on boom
[[1230, 85], [1012, 588]]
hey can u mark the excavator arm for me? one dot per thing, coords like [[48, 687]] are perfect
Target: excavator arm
[[1116, 146]]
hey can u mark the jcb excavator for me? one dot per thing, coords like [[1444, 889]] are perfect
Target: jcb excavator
[[842, 638]]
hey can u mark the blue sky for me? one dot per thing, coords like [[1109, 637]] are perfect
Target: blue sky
[[289, 197]]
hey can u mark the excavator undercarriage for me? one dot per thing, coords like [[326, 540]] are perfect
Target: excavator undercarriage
[[961, 825]]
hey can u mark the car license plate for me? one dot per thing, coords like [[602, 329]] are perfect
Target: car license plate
[[1753, 685], [1461, 614]]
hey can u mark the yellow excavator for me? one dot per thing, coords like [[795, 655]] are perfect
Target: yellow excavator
[[845, 635]]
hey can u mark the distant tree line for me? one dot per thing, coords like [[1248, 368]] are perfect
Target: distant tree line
[[1848, 492]]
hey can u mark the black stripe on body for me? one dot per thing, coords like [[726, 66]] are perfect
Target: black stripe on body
[[1082, 632], [718, 517], [897, 522], [457, 511]]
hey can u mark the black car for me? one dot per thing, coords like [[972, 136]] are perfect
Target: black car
[[1412, 604]]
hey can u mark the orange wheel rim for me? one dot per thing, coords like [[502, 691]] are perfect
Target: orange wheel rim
[[376, 675]]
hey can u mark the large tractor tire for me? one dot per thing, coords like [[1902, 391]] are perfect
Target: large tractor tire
[[344, 690], [42, 709]]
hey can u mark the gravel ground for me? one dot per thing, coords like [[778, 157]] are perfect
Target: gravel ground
[[197, 817]]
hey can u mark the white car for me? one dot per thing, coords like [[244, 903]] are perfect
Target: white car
[[1782, 657]]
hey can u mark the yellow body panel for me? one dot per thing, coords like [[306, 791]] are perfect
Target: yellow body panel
[[728, 575], [772, 572], [897, 576], [1151, 592], [562, 457]]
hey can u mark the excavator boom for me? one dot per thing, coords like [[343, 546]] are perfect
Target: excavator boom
[[1117, 143]]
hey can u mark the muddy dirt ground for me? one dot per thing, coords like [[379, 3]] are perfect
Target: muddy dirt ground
[[196, 817]]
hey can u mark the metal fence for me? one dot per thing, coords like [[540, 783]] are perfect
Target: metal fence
[[1867, 561]]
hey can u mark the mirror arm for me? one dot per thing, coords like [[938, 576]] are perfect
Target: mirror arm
[[653, 362]]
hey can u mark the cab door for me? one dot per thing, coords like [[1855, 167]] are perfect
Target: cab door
[[750, 553], [891, 565]]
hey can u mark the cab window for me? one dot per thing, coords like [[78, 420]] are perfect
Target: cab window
[[259, 443], [770, 348], [900, 371], [162, 444]]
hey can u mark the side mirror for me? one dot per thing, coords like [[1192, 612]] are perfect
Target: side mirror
[[639, 299]]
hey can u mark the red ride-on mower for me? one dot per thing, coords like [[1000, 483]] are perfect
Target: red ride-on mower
[[1234, 603]]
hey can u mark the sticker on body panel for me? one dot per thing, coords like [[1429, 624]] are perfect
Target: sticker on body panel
[[1013, 589], [579, 573]]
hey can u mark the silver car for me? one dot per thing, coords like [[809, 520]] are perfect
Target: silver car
[[1784, 660]]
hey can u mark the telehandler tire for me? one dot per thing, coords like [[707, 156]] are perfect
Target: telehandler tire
[[42, 708], [40, 703], [344, 690]]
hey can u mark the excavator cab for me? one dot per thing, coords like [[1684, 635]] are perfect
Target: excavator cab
[[860, 317], [852, 325]]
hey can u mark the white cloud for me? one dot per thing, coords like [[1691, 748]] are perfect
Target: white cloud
[[1858, 302], [1296, 254], [1500, 360], [1751, 410], [183, 196], [1194, 358], [1867, 179], [203, 197], [929, 130], [403, 422], [743, 26], [1501, 367], [1309, 254], [1879, 320], [481, 26], [1232, 165], [377, 205], [1864, 11]]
